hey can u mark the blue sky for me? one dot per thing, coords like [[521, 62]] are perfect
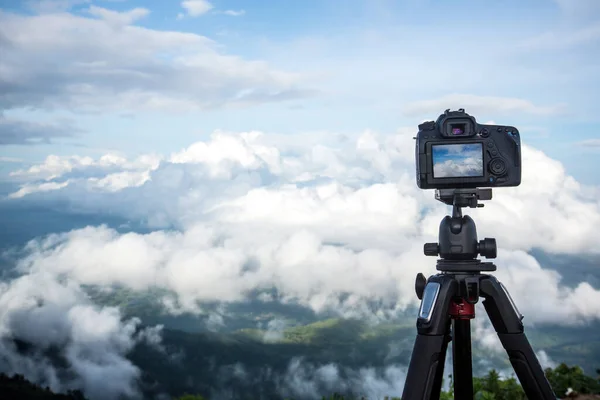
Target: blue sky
[[298, 67]]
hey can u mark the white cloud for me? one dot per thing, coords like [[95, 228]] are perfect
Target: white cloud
[[274, 330], [457, 168], [315, 222], [306, 380], [234, 13], [119, 18], [26, 189], [196, 8], [545, 360], [474, 104], [56, 167], [547, 301], [51, 314], [106, 67]]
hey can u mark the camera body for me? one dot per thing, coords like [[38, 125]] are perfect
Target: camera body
[[456, 152]]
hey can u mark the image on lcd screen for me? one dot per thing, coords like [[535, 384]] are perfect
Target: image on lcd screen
[[457, 160]]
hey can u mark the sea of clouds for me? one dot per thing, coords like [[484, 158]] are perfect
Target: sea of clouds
[[335, 223]]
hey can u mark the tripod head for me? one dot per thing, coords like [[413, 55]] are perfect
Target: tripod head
[[458, 247]]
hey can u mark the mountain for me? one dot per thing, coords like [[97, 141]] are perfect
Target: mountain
[[250, 364], [17, 387]]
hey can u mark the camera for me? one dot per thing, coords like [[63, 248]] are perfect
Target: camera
[[456, 152]]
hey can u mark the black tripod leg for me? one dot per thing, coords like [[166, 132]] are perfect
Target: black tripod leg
[[426, 368], [506, 320], [462, 359]]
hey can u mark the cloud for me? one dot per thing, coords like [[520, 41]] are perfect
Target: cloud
[[589, 143], [152, 336], [457, 160], [234, 13], [118, 18], [459, 168], [38, 188], [76, 166], [274, 330], [20, 132], [306, 380], [48, 314], [107, 67], [480, 104], [53, 6], [569, 305], [545, 360], [333, 223], [195, 8], [337, 227]]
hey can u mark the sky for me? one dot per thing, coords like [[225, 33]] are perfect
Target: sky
[[137, 76], [216, 150]]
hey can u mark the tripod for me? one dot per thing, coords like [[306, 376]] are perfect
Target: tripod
[[448, 304]]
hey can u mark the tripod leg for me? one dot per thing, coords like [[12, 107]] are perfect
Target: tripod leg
[[462, 359], [426, 368], [506, 320]]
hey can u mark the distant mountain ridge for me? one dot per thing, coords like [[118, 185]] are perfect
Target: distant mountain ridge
[[16, 387]]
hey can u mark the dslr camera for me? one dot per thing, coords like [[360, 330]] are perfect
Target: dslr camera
[[456, 152]]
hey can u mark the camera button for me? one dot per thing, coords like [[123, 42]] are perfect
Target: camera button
[[494, 153], [490, 144], [497, 166]]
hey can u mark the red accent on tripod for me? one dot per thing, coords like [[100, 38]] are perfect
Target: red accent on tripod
[[462, 310]]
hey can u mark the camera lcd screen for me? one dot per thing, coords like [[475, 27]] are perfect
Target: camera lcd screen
[[457, 160]]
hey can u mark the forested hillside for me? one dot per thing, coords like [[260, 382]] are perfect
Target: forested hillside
[[564, 379]]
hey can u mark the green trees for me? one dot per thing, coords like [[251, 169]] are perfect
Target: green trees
[[491, 387], [564, 377], [561, 378]]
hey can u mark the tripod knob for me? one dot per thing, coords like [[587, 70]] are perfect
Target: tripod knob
[[487, 248], [431, 249], [420, 283]]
